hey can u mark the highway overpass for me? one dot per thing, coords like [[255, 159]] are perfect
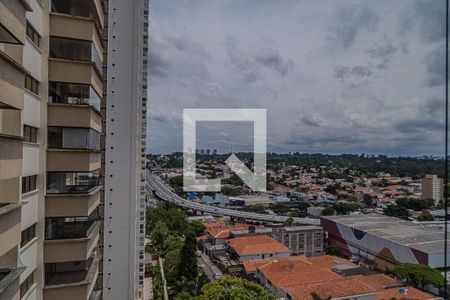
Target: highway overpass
[[164, 192]]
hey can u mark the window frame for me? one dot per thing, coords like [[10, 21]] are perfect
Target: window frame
[[33, 35], [27, 235], [33, 84], [29, 184], [32, 137], [27, 284]]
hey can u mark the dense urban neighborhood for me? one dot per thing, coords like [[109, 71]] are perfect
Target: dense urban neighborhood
[[376, 233]]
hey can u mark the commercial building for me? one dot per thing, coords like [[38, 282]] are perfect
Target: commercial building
[[52, 140], [385, 242], [432, 188], [125, 162]]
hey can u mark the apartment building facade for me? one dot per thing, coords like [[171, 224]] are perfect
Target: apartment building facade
[[52, 148]]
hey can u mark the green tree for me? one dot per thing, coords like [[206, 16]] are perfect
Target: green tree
[[419, 275], [230, 288], [256, 208], [343, 208], [158, 236], [197, 227], [368, 200], [187, 268], [425, 216], [334, 250], [394, 210], [289, 222], [328, 211]]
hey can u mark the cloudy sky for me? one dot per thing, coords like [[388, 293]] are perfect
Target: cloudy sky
[[336, 76]]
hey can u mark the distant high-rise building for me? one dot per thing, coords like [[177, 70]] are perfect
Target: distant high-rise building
[[208, 151], [432, 188], [202, 151], [214, 152]]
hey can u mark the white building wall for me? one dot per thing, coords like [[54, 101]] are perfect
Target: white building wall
[[125, 152]]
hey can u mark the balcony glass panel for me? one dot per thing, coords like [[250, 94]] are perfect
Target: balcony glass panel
[[74, 50], [73, 138], [69, 93], [67, 272], [72, 182], [79, 8], [70, 228]]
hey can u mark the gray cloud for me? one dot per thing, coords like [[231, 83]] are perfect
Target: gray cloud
[[434, 62], [250, 65], [350, 20], [335, 76]]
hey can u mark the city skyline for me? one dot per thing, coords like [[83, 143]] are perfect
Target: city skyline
[[378, 65]]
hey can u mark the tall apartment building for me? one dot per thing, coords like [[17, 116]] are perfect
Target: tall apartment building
[[52, 139], [432, 188], [123, 272]]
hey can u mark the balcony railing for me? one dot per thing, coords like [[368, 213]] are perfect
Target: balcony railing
[[72, 182], [76, 94], [71, 230], [74, 272]]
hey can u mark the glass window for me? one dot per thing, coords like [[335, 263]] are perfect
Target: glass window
[[30, 134], [80, 94], [27, 235], [7, 37], [27, 284], [33, 35], [75, 50], [73, 138], [71, 182], [29, 183], [32, 84], [80, 8]]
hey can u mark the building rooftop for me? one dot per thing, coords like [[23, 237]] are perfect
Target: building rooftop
[[250, 245], [413, 235]]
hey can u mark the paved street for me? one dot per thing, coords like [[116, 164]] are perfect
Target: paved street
[[208, 267]]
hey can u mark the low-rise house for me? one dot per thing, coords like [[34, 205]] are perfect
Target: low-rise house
[[298, 277], [257, 247]]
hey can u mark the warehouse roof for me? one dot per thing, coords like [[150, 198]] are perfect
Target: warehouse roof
[[407, 233]]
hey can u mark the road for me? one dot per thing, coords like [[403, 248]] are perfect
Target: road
[[164, 192], [210, 269]]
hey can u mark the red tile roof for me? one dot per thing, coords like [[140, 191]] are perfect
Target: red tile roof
[[250, 245], [411, 294], [341, 287]]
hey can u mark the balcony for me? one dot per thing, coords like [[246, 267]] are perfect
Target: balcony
[[11, 83], [9, 227], [60, 160], [72, 241], [72, 280], [10, 283], [69, 115], [72, 205], [12, 18], [76, 94], [72, 182], [10, 156], [76, 28], [75, 71], [91, 9]]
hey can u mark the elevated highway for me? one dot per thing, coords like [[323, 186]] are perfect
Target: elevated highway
[[165, 193]]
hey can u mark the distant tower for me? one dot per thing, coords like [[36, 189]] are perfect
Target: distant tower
[[202, 151], [208, 151], [432, 188], [214, 152]]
